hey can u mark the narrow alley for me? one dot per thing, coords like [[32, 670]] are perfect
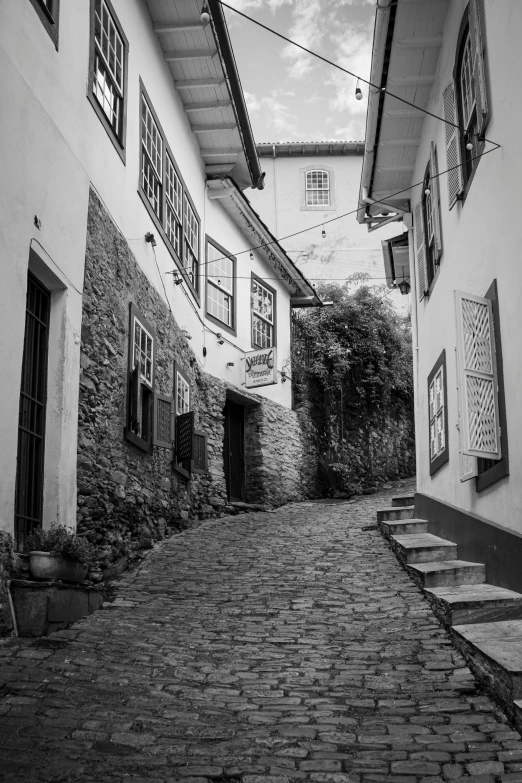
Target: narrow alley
[[266, 648]]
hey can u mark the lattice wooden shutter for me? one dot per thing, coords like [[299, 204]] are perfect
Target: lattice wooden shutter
[[477, 33], [199, 452], [453, 158], [135, 400], [435, 201], [420, 251], [477, 377], [163, 433], [184, 436]]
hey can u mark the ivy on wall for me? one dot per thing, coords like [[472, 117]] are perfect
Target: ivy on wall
[[353, 362]]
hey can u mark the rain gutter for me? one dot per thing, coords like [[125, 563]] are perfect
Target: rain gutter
[[221, 31]]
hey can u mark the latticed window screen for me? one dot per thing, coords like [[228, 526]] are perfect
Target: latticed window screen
[[477, 377], [220, 285], [436, 407], [143, 352], [109, 53], [199, 452], [317, 188], [163, 423], [151, 157], [184, 436], [262, 315]]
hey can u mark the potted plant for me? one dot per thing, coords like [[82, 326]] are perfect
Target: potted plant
[[59, 553]]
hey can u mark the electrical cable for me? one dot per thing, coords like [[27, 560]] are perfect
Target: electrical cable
[[351, 73]]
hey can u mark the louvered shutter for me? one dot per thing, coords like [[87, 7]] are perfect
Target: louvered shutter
[[477, 33], [435, 202], [135, 400], [163, 432], [453, 157], [420, 251], [477, 370], [184, 436]]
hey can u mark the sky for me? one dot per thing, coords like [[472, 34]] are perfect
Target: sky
[[292, 96]]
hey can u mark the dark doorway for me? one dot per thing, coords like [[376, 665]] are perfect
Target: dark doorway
[[31, 419], [234, 451]]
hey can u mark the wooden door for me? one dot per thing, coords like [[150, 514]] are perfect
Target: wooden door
[[234, 451]]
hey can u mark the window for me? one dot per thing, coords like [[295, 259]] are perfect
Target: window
[[107, 85], [317, 188], [166, 198], [438, 415], [49, 13], [182, 394], [428, 230], [141, 398], [220, 268], [190, 454], [467, 102], [263, 314]]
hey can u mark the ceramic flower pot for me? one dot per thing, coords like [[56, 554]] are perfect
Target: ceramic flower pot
[[46, 566]]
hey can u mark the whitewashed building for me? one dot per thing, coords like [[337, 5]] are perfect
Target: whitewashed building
[[137, 276], [449, 161]]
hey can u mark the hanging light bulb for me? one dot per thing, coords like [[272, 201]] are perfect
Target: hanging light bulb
[[251, 256], [205, 16], [358, 92], [469, 146], [323, 233]]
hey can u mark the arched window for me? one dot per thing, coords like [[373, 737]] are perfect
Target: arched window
[[317, 188]]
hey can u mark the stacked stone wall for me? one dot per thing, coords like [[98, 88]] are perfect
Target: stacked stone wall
[[126, 497]]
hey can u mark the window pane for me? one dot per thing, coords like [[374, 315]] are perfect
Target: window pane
[[143, 351], [110, 44], [151, 138]]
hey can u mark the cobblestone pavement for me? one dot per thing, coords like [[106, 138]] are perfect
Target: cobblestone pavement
[[265, 648]]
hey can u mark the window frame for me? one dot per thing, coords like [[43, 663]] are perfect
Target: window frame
[[118, 139], [429, 245], [443, 456], [308, 190], [160, 222], [232, 329], [50, 18], [184, 469], [489, 474], [145, 444], [303, 172], [271, 290]]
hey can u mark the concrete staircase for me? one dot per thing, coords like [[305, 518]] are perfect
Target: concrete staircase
[[485, 620]]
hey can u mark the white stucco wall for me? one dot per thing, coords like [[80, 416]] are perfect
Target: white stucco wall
[[482, 241], [53, 146]]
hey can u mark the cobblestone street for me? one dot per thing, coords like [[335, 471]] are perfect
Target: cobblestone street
[[266, 647]]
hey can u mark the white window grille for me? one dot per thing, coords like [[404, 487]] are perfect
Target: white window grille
[[109, 53], [191, 243], [182, 395], [220, 285], [151, 157], [173, 208], [436, 406], [143, 351], [262, 316], [317, 188]]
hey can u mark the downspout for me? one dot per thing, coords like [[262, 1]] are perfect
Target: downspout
[[221, 31], [378, 51]]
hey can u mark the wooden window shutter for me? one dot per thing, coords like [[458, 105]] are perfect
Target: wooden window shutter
[[184, 437], [163, 431], [420, 251], [135, 400], [199, 453], [435, 201], [477, 31], [455, 185], [477, 374]]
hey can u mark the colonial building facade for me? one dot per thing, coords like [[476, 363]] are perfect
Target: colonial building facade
[[139, 280], [452, 174]]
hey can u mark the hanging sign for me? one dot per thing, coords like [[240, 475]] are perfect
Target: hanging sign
[[261, 368]]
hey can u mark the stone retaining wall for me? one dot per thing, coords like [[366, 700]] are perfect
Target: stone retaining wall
[[127, 498]]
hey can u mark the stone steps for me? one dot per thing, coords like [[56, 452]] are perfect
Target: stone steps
[[404, 526], [485, 620], [440, 573], [394, 514], [403, 500], [422, 548]]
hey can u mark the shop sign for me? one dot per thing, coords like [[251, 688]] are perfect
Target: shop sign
[[260, 368]]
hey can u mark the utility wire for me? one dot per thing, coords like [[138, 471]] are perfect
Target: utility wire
[[350, 73]]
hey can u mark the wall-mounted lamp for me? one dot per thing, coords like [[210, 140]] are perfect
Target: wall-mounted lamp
[[186, 334], [404, 287], [220, 338], [176, 277], [149, 237]]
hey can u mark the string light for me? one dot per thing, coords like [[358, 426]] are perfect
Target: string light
[[323, 232], [251, 256], [205, 16], [358, 92]]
